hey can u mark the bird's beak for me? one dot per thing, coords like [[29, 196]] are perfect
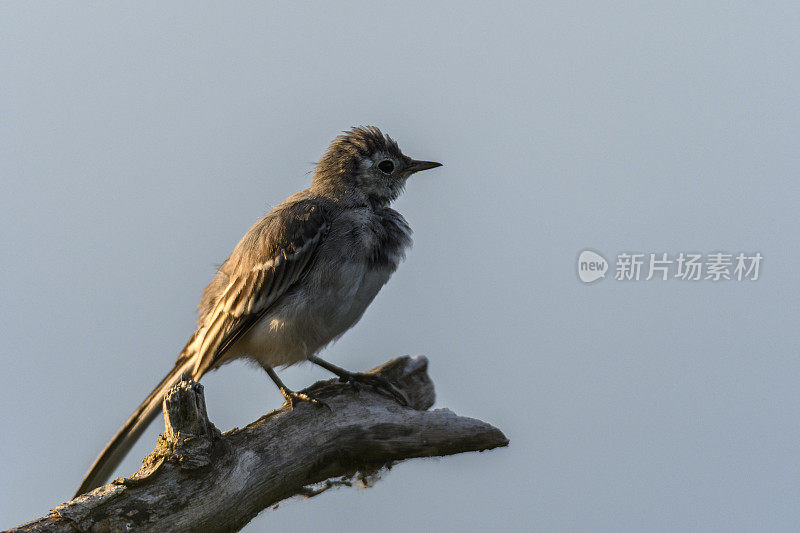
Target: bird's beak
[[416, 166]]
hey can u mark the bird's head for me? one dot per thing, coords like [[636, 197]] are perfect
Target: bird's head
[[364, 164]]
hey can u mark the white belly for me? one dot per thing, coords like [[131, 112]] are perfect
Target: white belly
[[306, 319]]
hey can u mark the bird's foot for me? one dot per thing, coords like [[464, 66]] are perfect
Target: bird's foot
[[293, 397], [379, 382]]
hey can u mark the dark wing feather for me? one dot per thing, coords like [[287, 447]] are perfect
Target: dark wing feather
[[273, 256]]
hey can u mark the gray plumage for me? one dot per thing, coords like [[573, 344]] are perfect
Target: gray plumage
[[299, 278]]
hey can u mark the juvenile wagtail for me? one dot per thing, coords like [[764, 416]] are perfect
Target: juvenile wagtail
[[299, 278]]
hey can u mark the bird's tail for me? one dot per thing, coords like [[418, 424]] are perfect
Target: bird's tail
[[115, 451]]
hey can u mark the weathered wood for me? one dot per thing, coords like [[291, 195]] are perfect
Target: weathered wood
[[200, 480]]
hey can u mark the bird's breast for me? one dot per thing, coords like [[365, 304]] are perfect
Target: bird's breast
[[355, 261]]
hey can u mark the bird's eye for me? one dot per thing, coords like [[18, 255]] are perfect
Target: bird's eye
[[386, 166]]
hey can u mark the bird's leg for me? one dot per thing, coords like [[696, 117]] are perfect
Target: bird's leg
[[379, 382], [290, 395]]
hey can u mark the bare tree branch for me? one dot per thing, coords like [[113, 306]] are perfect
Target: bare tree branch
[[200, 480]]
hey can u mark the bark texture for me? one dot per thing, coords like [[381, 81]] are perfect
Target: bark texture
[[198, 479]]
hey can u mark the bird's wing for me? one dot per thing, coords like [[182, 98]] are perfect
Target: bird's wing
[[273, 256]]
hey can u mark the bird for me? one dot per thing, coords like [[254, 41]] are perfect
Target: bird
[[298, 279]]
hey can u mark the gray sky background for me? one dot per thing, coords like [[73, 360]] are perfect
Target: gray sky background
[[138, 142]]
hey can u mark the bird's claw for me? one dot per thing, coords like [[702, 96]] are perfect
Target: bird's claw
[[379, 382], [292, 397]]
